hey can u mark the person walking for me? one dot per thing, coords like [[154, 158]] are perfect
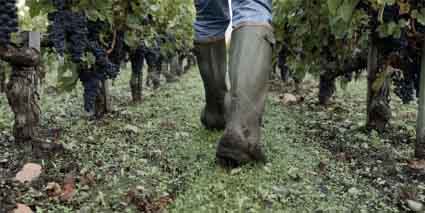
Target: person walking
[[239, 110]]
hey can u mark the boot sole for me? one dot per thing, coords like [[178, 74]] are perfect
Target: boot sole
[[231, 152]]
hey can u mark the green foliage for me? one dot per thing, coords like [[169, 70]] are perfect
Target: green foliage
[[170, 17], [324, 34]]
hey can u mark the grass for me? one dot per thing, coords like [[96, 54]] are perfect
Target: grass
[[140, 155]]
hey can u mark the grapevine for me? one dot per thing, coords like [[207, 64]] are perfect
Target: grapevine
[[8, 21]]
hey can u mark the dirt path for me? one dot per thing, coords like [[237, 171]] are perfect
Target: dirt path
[[156, 156]]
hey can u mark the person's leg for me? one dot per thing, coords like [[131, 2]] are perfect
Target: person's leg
[[249, 69], [251, 12], [212, 20]]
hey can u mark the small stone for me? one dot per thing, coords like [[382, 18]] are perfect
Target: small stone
[[288, 99], [21, 208], [28, 173], [132, 128], [353, 191], [415, 206]]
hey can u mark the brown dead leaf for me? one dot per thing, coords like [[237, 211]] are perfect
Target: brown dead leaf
[[53, 189], [29, 172], [408, 193], [145, 203], [168, 124], [21, 208], [322, 167], [68, 188], [88, 179], [163, 202], [416, 164]]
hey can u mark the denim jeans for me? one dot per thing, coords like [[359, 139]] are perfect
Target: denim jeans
[[213, 16]]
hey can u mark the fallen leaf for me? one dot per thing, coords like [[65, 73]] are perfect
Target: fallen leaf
[[416, 164], [28, 173], [21, 208], [53, 189], [168, 124], [88, 179], [68, 188], [322, 167], [163, 202]]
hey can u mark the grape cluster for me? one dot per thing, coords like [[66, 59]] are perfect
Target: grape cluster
[[419, 27], [391, 13], [153, 55], [91, 81], [103, 68], [68, 33], [62, 4], [8, 20], [103, 65], [390, 44], [119, 52], [404, 87], [282, 63], [354, 65], [137, 59], [406, 81], [71, 32]]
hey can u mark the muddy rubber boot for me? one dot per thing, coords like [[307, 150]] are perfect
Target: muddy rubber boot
[[212, 65], [250, 68]]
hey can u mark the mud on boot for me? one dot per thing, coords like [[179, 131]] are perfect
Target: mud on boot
[[235, 149]]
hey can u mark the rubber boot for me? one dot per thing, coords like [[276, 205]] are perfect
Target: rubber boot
[[212, 63], [250, 68]]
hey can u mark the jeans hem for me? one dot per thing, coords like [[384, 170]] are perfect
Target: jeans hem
[[209, 40], [252, 23]]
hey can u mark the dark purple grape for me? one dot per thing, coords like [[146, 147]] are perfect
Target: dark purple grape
[[8, 20]]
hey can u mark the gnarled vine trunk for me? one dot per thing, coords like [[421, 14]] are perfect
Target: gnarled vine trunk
[[22, 93], [2, 79], [136, 86], [103, 103], [181, 65], [136, 80], [378, 92], [327, 88]]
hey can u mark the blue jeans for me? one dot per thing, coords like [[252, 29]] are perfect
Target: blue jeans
[[213, 16]]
